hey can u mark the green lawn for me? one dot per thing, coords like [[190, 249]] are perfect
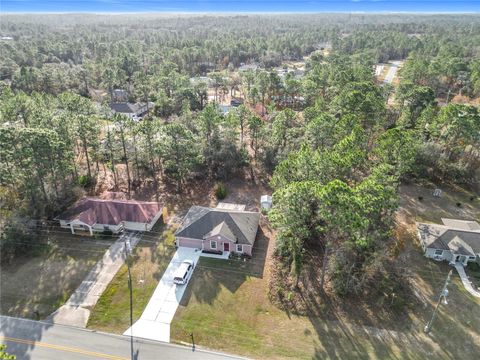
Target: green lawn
[[112, 311]]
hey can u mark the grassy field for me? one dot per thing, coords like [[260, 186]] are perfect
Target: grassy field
[[229, 310], [226, 306], [111, 313], [35, 286]]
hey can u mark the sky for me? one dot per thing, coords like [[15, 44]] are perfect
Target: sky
[[239, 6]]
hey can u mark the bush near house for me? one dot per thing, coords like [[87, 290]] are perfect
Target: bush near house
[[220, 191]]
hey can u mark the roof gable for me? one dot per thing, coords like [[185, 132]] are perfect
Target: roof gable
[[201, 222], [222, 229]]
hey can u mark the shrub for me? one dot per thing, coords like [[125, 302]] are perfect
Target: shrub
[[473, 266], [4, 355], [85, 181], [220, 191], [17, 239], [106, 234]]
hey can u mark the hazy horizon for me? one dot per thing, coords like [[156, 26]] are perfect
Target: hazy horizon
[[247, 7]]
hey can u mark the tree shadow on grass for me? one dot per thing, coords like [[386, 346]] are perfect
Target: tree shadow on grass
[[113, 254], [35, 286], [363, 333]]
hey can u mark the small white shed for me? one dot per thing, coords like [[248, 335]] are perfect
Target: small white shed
[[266, 202]]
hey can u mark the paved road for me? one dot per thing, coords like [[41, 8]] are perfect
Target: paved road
[[154, 324], [34, 340], [76, 310]]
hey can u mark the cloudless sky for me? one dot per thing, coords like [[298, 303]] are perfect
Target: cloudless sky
[[239, 6]]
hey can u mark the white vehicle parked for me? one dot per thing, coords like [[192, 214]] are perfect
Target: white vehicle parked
[[182, 274]]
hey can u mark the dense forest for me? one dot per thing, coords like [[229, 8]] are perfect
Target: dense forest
[[334, 143]]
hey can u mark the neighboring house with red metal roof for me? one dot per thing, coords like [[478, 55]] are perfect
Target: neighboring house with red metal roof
[[457, 241], [98, 215]]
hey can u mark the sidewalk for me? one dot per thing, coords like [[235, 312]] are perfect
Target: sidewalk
[[76, 310], [466, 282]]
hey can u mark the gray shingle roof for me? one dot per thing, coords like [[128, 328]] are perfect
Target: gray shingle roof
[[459, 241], [125, 108], [202, 222], [222, 229]]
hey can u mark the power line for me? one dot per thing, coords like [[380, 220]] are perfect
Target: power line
[[443, 294], [148, 237], [425, 273]]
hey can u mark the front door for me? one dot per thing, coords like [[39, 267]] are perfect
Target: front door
[[226, 246], [462, 259]]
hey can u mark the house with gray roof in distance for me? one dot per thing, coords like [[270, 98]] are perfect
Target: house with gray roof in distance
[[228, 228], [133, 111], [456, 241]]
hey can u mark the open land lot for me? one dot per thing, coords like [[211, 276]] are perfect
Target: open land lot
[[35, 286]]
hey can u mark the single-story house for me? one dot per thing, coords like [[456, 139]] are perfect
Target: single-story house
[[220, 229], [456, 241], [91, 214], [133, 111]]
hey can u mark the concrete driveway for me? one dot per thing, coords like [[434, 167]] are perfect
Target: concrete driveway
[[466, 281], [76, 310], [391, 71], [154, 324]]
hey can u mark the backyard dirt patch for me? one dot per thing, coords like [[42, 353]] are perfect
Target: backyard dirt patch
[[417, 203], [35, 286]]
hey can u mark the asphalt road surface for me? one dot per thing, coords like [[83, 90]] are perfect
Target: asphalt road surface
[[35, 340]]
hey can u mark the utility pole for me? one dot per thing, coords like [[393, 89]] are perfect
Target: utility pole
[[443, 295], [193, 341], [128, 251]]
